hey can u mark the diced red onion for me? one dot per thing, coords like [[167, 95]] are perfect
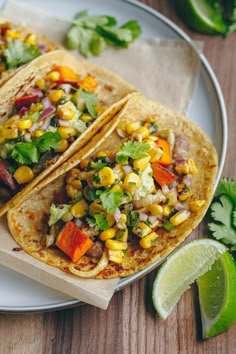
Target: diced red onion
[[33, 127], [43, 48], [23, 110], [38, 92], [78, 222], [188, 180], [63, 123], [46, 124], [180, 162], [117, 214], [46, 103], [46, 113], [179, 206]]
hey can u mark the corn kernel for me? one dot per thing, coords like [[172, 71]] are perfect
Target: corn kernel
[[31, 38], [142, 163], [155, 209], [102, 153], [107, 234], [71, 191], [142, 229], [192, 167], [36, 107], [11, 121], [12, 34], [149, 240], [84, 164], [196, 205], [132, 127], [106, 177], [62, 145], [55, 95], [171, 198], [24, 124], [184, 195], [121, 223], [116, 245], [95, 207], [66, 132], [53, 76], [38, 133], [65, 112], [180, 217], [155, 153], [9, 132], [116, 188], [182, 168], [110, 219], [166, 210], [79, 209], [115, 256], [131, 182], [40, 83], [23, 174], [143, 131], [86, 118]]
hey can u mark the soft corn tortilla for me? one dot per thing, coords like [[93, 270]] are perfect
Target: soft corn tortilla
[[28, 226], [111, 89]]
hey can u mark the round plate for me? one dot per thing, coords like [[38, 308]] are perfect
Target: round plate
[[21, 294]]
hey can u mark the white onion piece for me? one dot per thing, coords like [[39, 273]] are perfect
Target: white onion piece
[[27, 137], [179, 207], [46, 103], [78, 222], [165, 189], [37, 92], [143, 217], [127, 169], [46, 113], [150, 199], [117, 215], [91, 273], [121, 133], [64, 123], [152, 219], [46, 124], [65, 87], [33, 127]]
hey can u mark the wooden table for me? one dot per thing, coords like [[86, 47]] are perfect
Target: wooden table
[[130, 324]]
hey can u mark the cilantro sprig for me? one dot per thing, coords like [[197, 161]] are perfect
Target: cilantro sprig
[[131, 149], [98, 222], [28, 153], [18, 53], [91, 34], [223, 213]]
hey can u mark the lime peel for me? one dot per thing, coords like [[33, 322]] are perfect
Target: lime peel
[[180, 270]]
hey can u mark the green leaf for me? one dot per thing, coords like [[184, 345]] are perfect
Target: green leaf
[[234, 217], [98, 222], [47, 141], [18, 53], [134, 27], [83, 19], [221, 213], [97, 166], [25, 153], [132, 149], [121, 37], [111, 201], [227, 186], [90, 101]]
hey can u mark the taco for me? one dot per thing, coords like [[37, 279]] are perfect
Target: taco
[[19, 46], [48, 111], [126, 205]]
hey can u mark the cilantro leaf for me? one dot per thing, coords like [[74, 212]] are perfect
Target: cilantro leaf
[[221, 212], [121, 37], [47, 141], [18, 53], [84, 19], [131, 149], [111, 201], [90, 101], [98, 222], [227, 186], [97, 166], [25, 153], [234, 217]]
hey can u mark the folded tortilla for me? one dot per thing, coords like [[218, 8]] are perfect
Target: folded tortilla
[[111, 90], [28, 221]]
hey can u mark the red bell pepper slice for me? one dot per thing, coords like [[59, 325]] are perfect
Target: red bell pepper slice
[[166, 158], [26, 101], [161, 175], [73, 242]]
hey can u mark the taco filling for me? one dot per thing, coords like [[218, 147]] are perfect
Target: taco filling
[[19, 46], [127, 195], [44, 123]]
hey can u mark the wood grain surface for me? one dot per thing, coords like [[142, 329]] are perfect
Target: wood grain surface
[[130, 324]]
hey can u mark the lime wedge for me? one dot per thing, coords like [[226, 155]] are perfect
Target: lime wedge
[[202, 16], [217, 295], [180, 270]]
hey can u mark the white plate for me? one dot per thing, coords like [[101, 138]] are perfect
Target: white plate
[[20, 294]]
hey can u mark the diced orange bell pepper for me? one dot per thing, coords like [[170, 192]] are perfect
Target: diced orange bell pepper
[[89, 83], [66, 74], [73, 242], [161, 175], [166, 158]]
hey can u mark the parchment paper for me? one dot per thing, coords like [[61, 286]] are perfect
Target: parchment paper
[[163, 70]]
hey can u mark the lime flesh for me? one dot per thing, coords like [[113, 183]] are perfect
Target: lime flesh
[[201, 16], [180, 270], [217, 296]]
